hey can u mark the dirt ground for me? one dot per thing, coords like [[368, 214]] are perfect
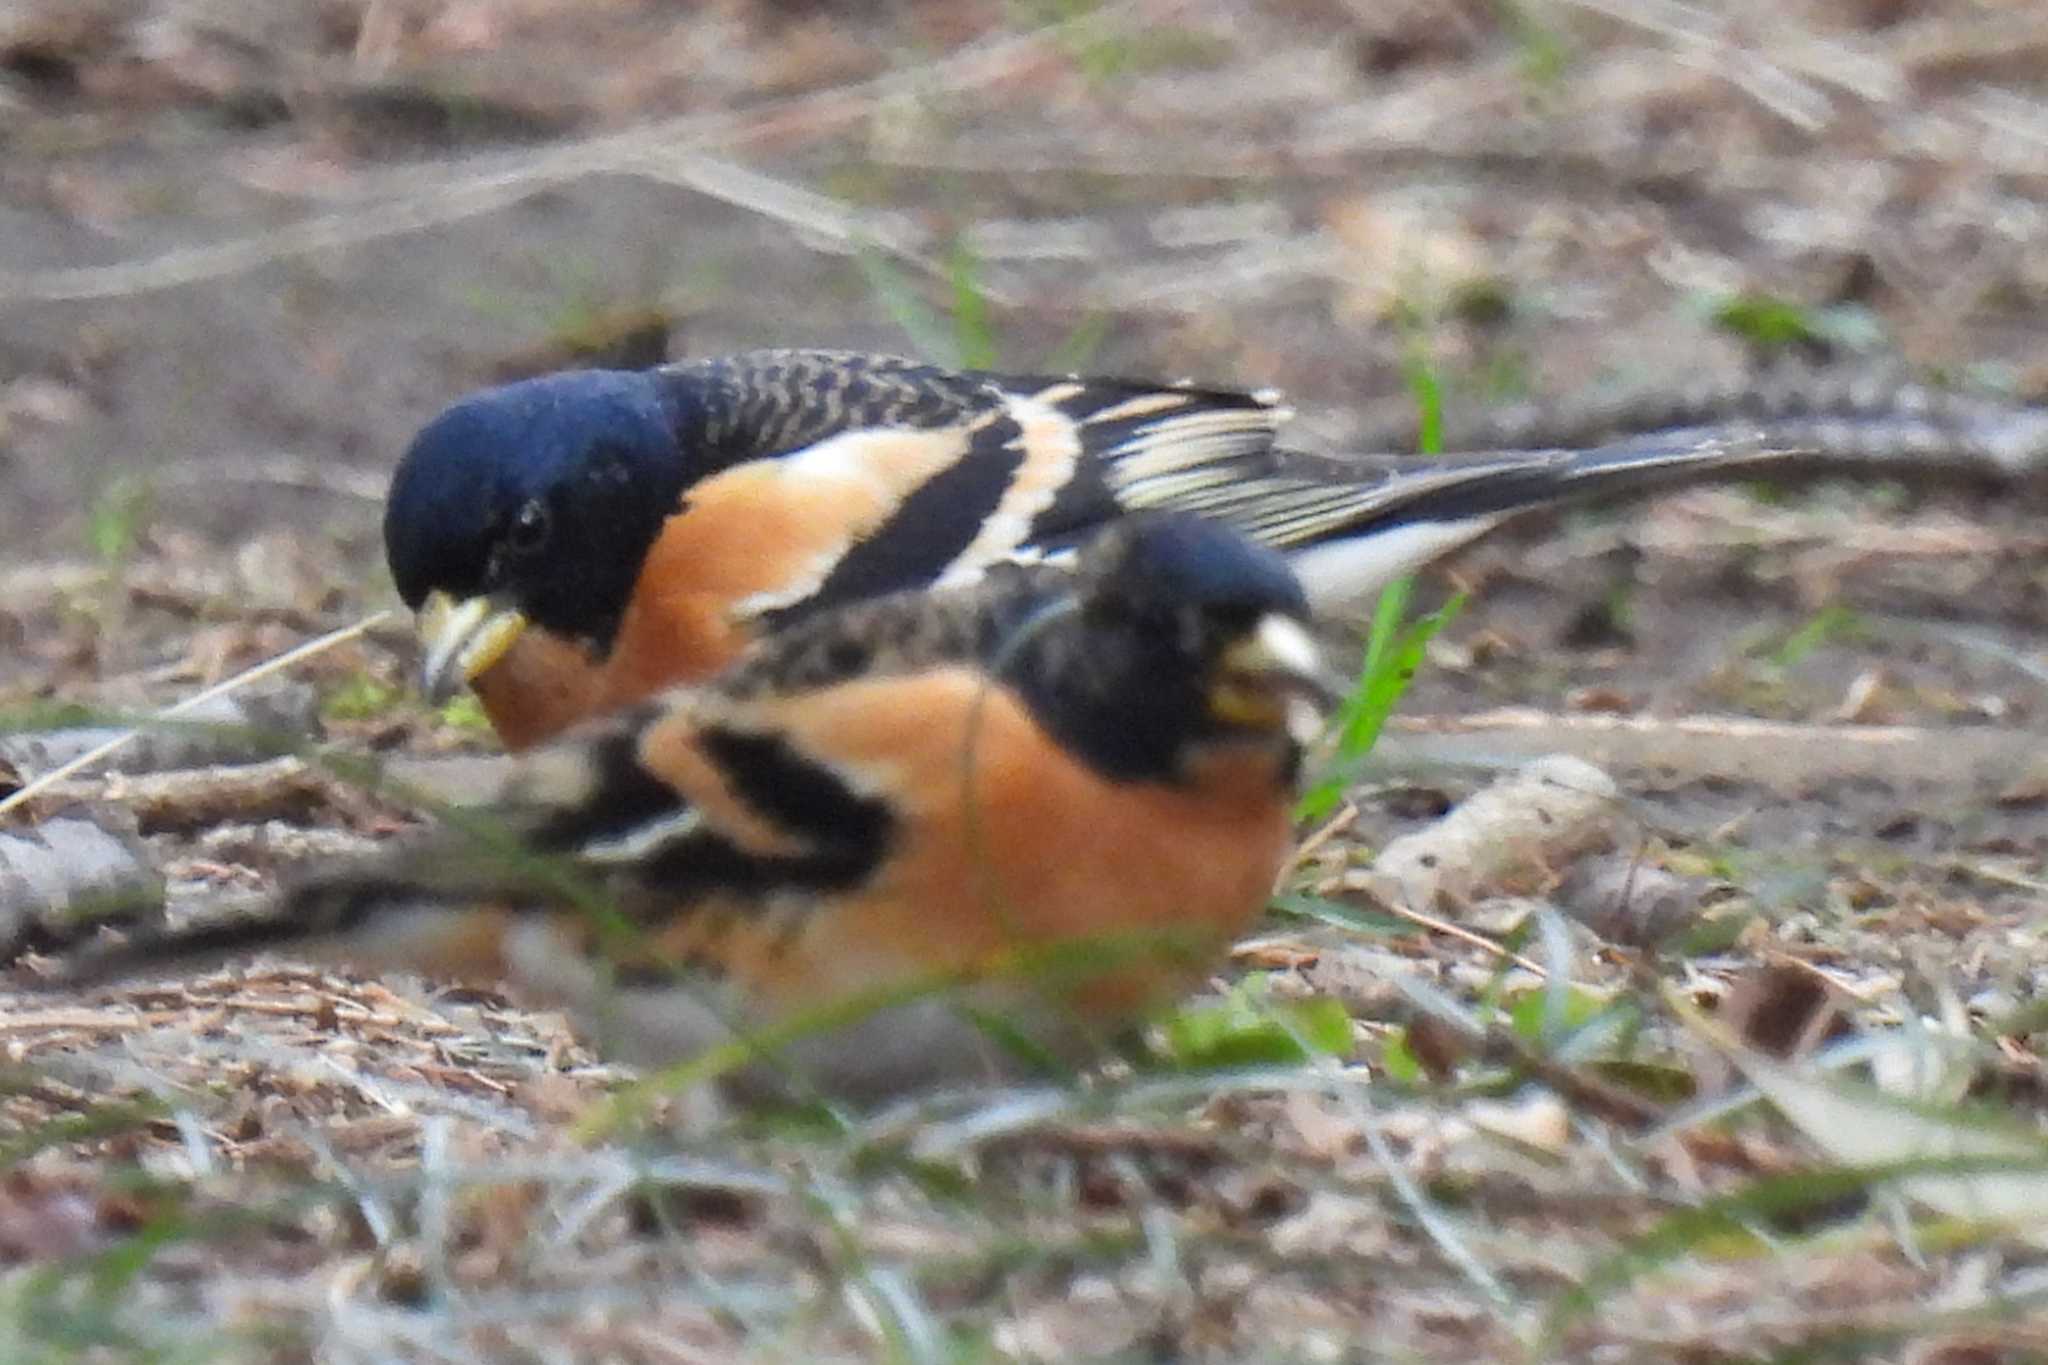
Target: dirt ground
[[248, 246]]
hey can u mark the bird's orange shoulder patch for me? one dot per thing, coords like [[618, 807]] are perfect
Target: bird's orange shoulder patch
[[757, 537], [671, 750]]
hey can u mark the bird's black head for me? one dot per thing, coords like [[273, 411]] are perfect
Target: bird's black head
[[1179, 565], [1182, 633], [542, 496]]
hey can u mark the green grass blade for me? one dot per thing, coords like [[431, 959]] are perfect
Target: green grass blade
[[930, 334], [1390, 667], [974, 338]]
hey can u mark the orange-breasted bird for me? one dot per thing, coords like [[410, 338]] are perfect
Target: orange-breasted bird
[[957, 786], [576, 542]]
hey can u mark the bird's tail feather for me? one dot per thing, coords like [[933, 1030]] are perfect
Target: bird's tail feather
[[1351, 526]]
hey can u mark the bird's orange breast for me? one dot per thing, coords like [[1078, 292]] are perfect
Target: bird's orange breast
[[1005, 847]]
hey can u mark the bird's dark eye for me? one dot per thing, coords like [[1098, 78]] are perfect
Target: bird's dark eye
[[529, 529]]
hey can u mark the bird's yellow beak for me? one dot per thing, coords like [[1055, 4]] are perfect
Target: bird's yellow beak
[[460, 639], [1275, 676]]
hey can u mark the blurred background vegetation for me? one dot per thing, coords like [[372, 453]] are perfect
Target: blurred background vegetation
[[252, 244]]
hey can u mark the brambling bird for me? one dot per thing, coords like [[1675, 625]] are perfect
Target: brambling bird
[[577, 542], [923, 787]]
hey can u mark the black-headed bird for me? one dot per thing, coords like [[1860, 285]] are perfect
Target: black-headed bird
[[1049, 798], [577, 542]]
